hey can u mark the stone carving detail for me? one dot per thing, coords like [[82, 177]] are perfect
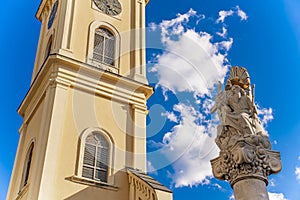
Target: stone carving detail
[[244, 143]]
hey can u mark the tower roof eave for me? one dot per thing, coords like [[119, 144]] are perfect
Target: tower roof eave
[[40, 9], [43, 4]]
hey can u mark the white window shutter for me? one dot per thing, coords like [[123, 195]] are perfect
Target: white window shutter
[[96, 157], [104, 47]]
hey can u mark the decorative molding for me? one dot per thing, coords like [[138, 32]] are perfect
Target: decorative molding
[[244, 160], [68, 73], [137, 184], [91, 182]]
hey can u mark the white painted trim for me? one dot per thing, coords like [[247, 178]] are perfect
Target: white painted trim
[[107, 136], [89, 58]]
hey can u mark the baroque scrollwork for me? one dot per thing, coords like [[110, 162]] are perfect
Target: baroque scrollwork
[[244, 143]]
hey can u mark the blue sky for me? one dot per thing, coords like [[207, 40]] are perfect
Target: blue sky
[[263, 36]]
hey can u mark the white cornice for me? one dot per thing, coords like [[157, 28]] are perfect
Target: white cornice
[[45, 5], [60, 71]]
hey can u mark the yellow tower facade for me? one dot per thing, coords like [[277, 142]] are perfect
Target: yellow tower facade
[[83, 134]]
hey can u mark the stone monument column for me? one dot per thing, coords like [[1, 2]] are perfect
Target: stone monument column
[[246, 159]]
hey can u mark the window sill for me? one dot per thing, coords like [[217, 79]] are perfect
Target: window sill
[[90, 182], [103, 66], [22, 191]]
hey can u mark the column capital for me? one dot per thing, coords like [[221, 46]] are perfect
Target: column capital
[[245, 160]]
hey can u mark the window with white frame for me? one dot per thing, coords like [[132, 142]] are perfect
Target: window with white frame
[[104, 46], [96, 157]]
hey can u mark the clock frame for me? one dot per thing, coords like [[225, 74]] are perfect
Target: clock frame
[[109, 7]]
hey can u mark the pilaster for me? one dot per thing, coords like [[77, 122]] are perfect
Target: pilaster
[[138, 35], [139, 141]]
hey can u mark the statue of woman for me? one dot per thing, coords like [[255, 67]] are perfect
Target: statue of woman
[[241, 115]]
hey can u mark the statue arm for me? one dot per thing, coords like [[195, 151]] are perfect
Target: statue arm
[[214, 108], [218, 102]]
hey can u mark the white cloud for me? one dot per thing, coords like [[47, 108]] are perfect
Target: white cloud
[[191, 58], [297, 173], [223, 34], [152, 26], [150, 168], [175, 26], [171, 116], [265, 115], [241, 13], [218, 186], [206, 105], [272, 182], [226, 44], [276, 196], [190, 142], [223, 14], [191, 65]]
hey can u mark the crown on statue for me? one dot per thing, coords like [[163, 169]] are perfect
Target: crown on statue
[[238, 76]]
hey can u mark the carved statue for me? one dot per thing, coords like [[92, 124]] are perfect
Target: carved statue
[[244, 143], [236, 109]]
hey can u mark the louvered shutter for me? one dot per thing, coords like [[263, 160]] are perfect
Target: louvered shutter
[[109, 52], [96, 156], [89, 161], [104, 46], [98, 47]]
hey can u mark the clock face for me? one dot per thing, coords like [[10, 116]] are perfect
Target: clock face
[[110, 7], [52, 14]]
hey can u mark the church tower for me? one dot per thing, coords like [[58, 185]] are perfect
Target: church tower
[[83, 134]]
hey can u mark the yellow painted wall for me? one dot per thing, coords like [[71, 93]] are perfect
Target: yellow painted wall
[[71, 32], [68, 97]]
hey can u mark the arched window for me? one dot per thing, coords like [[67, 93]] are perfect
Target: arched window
[[103, 51], [27, 164], [104, 46], [96, 157]]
